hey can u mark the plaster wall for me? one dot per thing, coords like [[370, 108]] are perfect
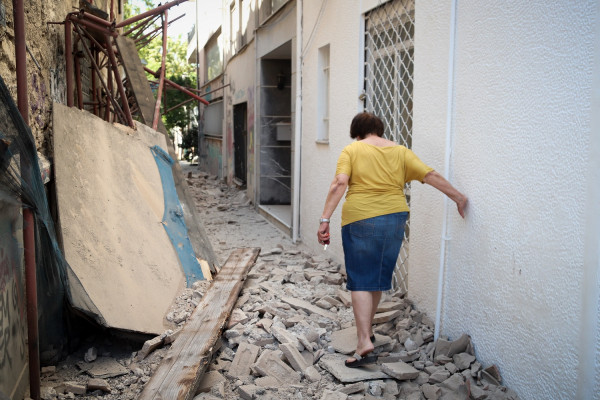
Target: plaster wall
[[241, 72], [520, 147], [278, 30], [338, 27]]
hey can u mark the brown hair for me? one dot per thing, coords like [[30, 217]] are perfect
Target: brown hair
[[365, 123]]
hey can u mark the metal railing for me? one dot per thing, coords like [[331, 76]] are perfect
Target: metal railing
[[389, 74]]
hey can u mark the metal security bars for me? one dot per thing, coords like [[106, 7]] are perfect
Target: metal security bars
[[389, 72]]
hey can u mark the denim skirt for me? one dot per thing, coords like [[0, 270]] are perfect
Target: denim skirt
[[371, 248]]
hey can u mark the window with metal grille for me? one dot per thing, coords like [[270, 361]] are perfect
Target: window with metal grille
[[389, 54]]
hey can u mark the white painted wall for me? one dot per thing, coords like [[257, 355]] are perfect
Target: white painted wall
[[339, 27], [521, 135]]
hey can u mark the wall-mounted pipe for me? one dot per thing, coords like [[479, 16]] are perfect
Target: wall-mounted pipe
[[448, 154], [163, 66], [69, 61], [178, 87], [154, 11], [28, 221], [297, 125]]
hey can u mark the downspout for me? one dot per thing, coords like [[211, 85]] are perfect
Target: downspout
[[588, 365], [28, 221], [448, 154], [297, 125]]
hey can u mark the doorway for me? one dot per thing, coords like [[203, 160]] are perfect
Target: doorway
[[275, 179], [240, 142]]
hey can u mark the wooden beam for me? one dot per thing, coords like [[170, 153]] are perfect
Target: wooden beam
[[180, 373]]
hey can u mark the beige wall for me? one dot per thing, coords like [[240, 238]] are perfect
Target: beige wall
[[319, 159]]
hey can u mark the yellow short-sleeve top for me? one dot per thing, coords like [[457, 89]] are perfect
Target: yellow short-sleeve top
[[377, 178]]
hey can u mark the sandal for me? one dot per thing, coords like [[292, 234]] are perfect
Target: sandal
[[360, 361]]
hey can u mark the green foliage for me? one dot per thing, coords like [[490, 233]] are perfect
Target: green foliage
[[177, 68]]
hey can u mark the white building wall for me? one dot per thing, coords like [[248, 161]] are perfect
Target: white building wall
[[338, 26], [520, 148]]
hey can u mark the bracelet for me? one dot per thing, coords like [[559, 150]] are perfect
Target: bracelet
[[321, 220]]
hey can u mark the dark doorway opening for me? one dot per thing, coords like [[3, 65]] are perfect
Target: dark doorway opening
[[240, 141]]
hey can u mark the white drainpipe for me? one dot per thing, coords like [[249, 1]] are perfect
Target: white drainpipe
[[450, 104], [588, 367], [297, 125]]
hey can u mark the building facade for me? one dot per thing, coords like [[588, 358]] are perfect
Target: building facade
[[502, 99]]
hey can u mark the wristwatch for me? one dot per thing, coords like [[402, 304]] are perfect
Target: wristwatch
[[321, 220]]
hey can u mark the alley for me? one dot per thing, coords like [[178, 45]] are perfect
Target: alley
[[288, 334]]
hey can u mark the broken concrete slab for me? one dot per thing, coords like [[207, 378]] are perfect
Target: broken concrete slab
[[294, 357], [381, 318], [334, 363], [331, 395], [463, 360], [98, 384], [103, 367], [124, 270], [269, 364], [283, 336], [344, 341], [210, 380], [400, 370], [345, 297], [244, 358], [449, 348], [308, 307], [149, 346]]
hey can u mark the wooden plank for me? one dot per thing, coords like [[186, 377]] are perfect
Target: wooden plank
[[137, 80], [182, 369]]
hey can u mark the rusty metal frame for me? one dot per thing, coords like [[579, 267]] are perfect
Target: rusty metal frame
[[93, 38]]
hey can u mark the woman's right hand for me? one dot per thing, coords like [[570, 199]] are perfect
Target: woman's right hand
[[323, 233]]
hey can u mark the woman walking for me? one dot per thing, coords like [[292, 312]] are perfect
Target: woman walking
[[374, 170]]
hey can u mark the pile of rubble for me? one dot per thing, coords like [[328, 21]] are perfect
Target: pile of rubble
[[291, 330]]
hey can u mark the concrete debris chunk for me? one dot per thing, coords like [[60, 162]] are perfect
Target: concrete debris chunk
[[98, 384], [283, 336], [312, 374], [431, 392], [237, 317], [357, 387], [269, 364], [294, 357], [90, 355], [334, 363], [439, 376], [308, 307], [75, 388], [381, 318], [463, 360], [103, 367], [250, 392], [493, 371], [450, 348], [149, 346], [244, 358], [345, 297], [344, 341], [400, 370], [331, 395]]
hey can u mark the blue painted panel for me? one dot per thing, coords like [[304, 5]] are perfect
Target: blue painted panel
[[173, 220]]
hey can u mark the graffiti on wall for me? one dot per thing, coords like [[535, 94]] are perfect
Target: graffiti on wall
[[13, 330]]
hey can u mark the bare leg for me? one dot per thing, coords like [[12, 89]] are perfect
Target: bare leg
[[376, 299], [362, 305]]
